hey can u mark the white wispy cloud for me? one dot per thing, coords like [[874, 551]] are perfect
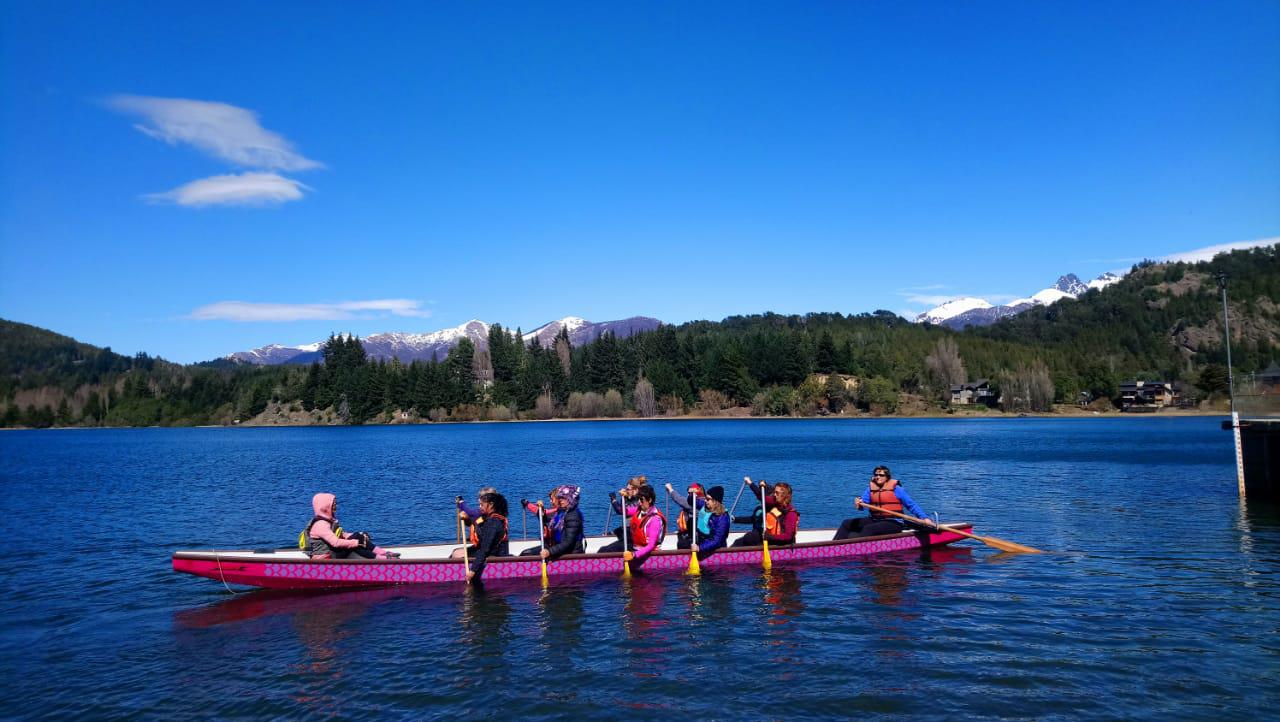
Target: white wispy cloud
[[245, 189], [224, 131], [926, 299], [1208, 252], [342, 311]]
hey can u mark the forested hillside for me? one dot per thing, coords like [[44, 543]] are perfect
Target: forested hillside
[[1162, 321]]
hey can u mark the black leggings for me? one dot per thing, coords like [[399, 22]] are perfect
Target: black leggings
[[867, 526], [362, 552], [753, 538], [616, 547]]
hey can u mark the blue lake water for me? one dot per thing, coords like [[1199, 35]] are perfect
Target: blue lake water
[[1160, 598]]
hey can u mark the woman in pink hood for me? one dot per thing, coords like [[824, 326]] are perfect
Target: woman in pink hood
[[326, 540]]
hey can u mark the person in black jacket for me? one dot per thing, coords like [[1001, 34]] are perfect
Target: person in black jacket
[[566, 525], [488, 533]]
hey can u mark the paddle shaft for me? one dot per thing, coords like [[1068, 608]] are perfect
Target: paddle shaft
[[466, 563], [626, 566], [1000, 544], [542, 527], [741, 488], [765, 561]]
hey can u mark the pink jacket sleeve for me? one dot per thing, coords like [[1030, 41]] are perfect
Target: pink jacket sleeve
[[324, 530], [652, 528]]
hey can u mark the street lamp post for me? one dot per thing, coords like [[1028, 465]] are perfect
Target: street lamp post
[[1231, 386]]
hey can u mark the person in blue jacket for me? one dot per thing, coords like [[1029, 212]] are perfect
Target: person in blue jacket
[[718, 523], [887, 493]]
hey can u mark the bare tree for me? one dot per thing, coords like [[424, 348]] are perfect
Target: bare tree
[[585, 406], [544, 407], [645, 405], [711, 402], [1027, 388], [671, 405], [944, 367], [612, 405], [482, 366], [562, 352]]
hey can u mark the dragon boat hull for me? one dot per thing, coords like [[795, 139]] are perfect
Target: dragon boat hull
[[430, 564]]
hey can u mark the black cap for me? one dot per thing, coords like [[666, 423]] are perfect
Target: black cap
[[717, 493]]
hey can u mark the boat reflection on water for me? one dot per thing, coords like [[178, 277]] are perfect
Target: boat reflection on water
[[486, 628], [258, 604], [645, 622]]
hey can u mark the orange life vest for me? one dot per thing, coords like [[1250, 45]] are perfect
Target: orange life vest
[[638, 537], [475, 538], [773, 520], [883, 497]]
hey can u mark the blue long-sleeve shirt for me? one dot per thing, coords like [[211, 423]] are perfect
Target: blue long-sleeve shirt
[[719, 534], [907, 502], [471, 512]]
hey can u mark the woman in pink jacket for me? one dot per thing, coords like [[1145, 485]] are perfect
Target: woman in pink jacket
[[327, 540]]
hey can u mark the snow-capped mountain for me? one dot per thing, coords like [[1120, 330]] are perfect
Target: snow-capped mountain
[[969, 311], [582, 331], [951, 309], [409, 347], [273, 354], [1104, 280]]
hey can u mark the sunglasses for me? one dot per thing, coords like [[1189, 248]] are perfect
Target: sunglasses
[[879, 474]]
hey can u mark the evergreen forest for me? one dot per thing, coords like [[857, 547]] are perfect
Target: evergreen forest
[[1162, 321]]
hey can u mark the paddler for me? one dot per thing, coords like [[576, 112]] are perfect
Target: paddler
[[717, 523], [565, 525], [694, 497], [548, 533], [488, 534], [646, 528], [781, 520], [325, 539], [887, 493], [627, 494]]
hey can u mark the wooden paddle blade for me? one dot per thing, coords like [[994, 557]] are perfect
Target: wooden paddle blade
[[1007, 546]]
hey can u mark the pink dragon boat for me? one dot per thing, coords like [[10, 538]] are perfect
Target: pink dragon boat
[[430, 563]]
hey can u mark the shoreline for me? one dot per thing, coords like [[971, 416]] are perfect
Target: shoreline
[[992, 416]]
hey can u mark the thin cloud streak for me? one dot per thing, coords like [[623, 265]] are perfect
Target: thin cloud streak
[[221, 130], [246, 312], [1207, 253], [246, 189]]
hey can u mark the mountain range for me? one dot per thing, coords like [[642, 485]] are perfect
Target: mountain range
[[408, 347], [970, 311]]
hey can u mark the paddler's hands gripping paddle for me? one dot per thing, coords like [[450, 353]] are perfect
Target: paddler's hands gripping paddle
[[543, 526], [1001, 544], [765, 561]]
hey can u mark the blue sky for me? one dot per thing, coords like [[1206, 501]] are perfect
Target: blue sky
[[317, 167]]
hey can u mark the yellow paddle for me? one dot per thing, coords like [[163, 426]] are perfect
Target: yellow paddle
[[542, 525], [626, 562], [466, 563], [1001, 544], [765, 561], [694, 568]]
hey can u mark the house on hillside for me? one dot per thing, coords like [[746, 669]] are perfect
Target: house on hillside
[[1269, 378], [1139, 395], [974, 392]]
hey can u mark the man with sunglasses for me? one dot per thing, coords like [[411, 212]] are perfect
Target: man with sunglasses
[[887, 493]]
